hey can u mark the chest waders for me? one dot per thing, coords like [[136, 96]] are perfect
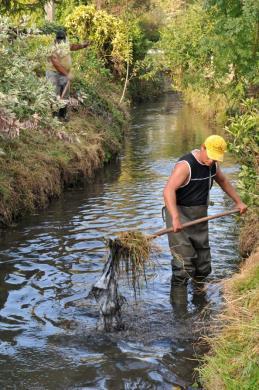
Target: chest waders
[[190, 248]]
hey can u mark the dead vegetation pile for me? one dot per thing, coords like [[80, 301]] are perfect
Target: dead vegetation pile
[[249, 234]]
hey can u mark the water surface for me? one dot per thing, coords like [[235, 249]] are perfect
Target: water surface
[[49, 261]]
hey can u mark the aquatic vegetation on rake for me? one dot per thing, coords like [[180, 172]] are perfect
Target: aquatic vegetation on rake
[[128, 253], [132, 251]]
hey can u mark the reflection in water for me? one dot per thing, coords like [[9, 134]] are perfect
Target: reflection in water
[[49, 261], [3, 287]]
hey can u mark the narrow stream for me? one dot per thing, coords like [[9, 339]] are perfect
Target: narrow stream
[[49, 261]]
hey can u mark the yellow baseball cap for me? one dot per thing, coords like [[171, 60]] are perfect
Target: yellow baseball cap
[[215, 147]]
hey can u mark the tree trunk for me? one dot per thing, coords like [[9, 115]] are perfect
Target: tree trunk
[[50, 11]]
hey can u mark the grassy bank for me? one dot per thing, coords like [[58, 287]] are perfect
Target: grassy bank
[[233, 361], [38, 165], [212, 106], [40, 155]]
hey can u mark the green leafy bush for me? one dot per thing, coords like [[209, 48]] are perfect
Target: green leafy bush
[[26, 100], [244, 143], [88, 66], [107, 33], [213, 46]]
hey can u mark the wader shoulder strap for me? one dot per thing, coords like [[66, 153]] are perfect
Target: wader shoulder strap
[[208, 197], [163, 213]]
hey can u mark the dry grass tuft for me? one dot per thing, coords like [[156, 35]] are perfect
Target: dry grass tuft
[[209, 105], [132, 251], [249, 236], [233, 361]]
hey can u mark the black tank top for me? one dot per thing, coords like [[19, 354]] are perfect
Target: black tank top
[[195, 192]]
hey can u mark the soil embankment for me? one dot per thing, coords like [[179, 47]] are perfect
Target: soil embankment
[[38, 165]]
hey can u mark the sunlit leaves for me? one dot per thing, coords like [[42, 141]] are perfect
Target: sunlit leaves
[[243, 130], [109, 34], [205, 45]]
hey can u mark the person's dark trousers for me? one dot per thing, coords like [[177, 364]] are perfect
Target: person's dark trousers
[[59, 81], [62, 113], [190, 247]]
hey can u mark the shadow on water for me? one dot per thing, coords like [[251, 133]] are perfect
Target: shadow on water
[[50, 260]]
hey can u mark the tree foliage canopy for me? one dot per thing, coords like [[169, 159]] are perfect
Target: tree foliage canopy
[[109, 34], [15, 6], [213, 43]]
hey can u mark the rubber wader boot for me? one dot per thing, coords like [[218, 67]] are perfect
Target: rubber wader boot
[[179, 299], [199, 298]]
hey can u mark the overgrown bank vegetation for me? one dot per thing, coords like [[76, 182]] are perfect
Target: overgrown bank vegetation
[[39, 155]]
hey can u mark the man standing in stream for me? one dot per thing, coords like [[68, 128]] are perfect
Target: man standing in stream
[[59, 66], [186, 196]]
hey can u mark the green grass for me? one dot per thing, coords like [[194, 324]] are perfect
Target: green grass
[[60, 155], [234, 363], [210, 105], [248, 284]]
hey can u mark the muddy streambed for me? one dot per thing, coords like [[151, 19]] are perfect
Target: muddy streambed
[[49, 261]]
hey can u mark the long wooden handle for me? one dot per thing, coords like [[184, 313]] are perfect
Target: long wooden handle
[[65, 89], [195, 222]]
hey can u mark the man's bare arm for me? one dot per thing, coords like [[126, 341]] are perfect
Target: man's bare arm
[[56, 63], [178, 177], [227, 187], [78, 46]]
